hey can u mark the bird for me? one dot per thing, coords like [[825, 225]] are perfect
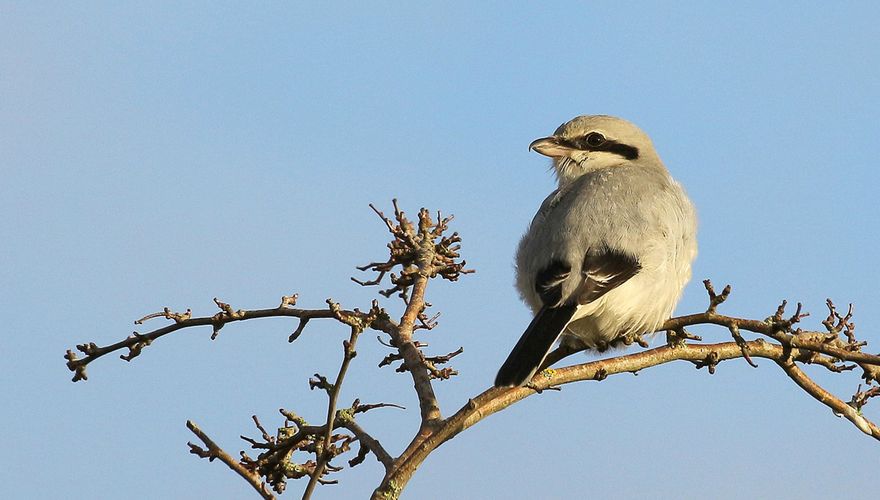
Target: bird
[[608, 253]]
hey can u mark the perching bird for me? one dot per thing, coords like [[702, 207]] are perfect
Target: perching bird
[[609, 251]]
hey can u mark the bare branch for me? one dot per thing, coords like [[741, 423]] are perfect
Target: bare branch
[[358, 322], [826, 398], [213, 451], [860, 398], [740, 341], [419, 251], [368, 443], [496, 399], [422, 252], [167, 313], [714, 299], [137, 341], [324, 455], [794, 345]]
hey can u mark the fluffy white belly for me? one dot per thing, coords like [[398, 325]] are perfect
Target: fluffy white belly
[[636, 307]]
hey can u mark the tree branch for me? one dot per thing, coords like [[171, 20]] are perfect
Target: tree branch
[[828, 399], [215, 451], [420, 251], [369, 443], [794, 345], [496, 399], [324, 454], [137, 341]]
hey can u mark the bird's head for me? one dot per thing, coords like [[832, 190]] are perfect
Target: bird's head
[[593, 142]]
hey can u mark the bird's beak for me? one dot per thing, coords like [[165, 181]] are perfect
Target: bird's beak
[[553, 146]]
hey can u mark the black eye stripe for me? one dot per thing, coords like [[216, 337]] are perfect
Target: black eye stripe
[[590, 142], [624, 150]]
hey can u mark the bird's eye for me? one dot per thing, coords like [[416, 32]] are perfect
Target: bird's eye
[[595, 139]]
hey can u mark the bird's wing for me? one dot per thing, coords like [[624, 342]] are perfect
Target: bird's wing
[[549, 281], [604, 270], [531, 349]]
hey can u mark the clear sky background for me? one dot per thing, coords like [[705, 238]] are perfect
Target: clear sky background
[[157, 154]]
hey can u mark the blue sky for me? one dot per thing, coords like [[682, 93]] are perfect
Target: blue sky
[[156, 154]]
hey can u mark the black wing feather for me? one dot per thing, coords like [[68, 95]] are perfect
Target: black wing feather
[[603, 271], [548, 282], [533, 346]]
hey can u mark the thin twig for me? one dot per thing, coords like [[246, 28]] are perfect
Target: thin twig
[[140, 340], [215, 451], [370, 443], [826, 398], [324, 454]]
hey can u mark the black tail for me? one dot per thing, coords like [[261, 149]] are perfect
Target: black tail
[[534, 345]]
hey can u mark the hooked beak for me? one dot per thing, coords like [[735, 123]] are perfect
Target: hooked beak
[[553, 146]]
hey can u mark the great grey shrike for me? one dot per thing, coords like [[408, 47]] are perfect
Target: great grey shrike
[[610, 250]]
